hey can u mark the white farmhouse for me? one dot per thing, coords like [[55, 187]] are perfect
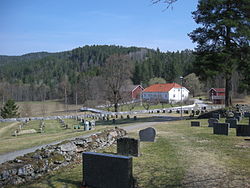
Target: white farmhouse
[[171, 92]]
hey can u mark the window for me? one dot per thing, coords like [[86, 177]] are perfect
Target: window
[[174, 95]]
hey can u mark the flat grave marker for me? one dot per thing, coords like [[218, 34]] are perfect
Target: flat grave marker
[[195, 124]]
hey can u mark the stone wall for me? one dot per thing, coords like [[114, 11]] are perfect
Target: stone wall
[[42, 161]]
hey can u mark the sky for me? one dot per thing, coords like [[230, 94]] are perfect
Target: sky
[[28, 26]]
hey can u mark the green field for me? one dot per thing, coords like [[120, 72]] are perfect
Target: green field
[[182, 156]]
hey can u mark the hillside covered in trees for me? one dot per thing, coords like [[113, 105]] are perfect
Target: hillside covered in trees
[[43, 76]]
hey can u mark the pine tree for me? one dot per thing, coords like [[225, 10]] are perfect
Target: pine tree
[[222, 38], [10, 109]]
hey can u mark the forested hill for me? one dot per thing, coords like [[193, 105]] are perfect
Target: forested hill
[[49, 72]]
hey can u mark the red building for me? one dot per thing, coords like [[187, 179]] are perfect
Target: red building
[[217, 95], [134, 91]]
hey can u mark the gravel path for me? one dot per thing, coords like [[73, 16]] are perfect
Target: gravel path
[[13, 155]]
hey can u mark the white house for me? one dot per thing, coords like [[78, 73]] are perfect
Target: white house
[[171, 92]]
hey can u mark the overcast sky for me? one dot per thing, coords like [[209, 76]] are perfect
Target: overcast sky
[[58, 25]]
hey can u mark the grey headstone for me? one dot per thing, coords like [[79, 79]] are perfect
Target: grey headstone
[[243, 130], [128, 146], [221, 128], [107, 171], [86, 126], [232, 122], [195, 124], [211, 122], [147, 135]]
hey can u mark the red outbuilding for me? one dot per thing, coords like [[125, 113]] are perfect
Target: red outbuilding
[[217, 95]]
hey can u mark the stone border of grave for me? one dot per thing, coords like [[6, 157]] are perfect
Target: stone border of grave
[[36, 164]]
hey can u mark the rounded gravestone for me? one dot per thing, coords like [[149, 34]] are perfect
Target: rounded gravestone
[[147, 135]]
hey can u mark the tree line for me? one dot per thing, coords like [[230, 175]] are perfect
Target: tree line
[[77, 75]]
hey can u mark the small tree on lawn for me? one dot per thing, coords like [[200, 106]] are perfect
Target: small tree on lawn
[[10, 109]]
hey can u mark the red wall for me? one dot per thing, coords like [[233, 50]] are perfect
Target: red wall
[[136, 93]]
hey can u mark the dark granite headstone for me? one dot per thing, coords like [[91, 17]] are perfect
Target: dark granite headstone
[[232, 122], [107, 171], [238, 118], [211, 122], [247, 114], [243, 130], [221, 128], [147, 135], [195, 124], [128, 146], [216, 115]]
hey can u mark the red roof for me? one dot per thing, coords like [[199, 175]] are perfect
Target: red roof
[[161, 87], [219, 90]]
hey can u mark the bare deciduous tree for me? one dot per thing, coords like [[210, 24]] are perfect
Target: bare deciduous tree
[[115, 73]]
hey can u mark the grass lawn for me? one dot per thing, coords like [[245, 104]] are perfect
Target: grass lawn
[[182, 156], [53, 131]]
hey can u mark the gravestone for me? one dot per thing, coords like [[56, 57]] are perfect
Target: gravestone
[[147, 135], [195, 124], [86, 126], [243, 130], [247, 114], [107, 171], [128, 146], [163, 111], [232, 122], [128, 117], [211, 122], [135, 118], [113, 121], [216, 115], [238, 118], [221, 128]]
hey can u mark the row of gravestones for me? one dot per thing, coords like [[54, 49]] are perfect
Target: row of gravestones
[[63, 124], [41, 126], [223, 128], [113, 171], [21, 125]]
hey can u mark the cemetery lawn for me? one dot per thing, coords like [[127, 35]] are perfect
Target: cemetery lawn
[[182, 156], [53, 131]]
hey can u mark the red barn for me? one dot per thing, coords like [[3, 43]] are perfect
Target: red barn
[[217, 95], [136, 91]]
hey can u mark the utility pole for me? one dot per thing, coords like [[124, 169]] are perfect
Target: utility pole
[[181, 93]]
